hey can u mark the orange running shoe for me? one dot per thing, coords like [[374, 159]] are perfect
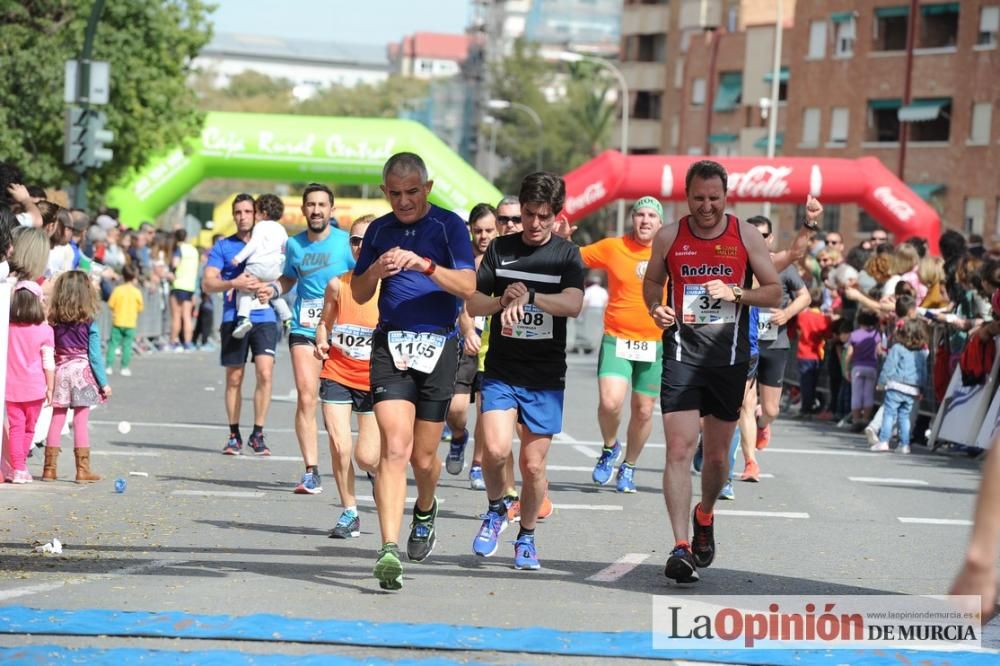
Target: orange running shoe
[[751, 472], [763, 437], [546, 509]]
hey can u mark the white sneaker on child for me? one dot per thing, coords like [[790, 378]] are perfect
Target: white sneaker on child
[[905, 450], [125, 372], [243, 327], [109, 371], [880, 446], [872, 437]]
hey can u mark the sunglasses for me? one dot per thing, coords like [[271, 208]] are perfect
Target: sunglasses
[[765, 234], [831, 241], [509, 219], [356, 240]]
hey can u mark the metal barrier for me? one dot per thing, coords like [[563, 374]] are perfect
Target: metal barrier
[[151, 319]]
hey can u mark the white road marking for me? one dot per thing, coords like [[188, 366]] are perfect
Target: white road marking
[[278, 458], [587, 451], [894, 482], [577, 444], [564, 437], [179, 424], [761, 514], [933, 521], [145, 454], [619, 567], [590, 507], [568, 468], [48, 587], [409, 500], [242, 494]]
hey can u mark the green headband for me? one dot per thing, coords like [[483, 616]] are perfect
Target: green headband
[[649, 202]]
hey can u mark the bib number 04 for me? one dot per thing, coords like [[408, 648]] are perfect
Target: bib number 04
[[415, 351]]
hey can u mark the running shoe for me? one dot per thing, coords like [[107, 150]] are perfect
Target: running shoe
[[446, 433], [109, 371], [626, 479], [243, 326], [702, 541], [456, 454], [727, 492], [871, 436], [188, 347], [680, 565], [347, 527], [488, 538], [257, 445], [763, 437], [233, 447], [125, 372], [22, 476], [904, 449], [751, 472], [547, 509], [476, 481], [310, 484], [422, 535], [605, 464], [879, 446], [388, 568], [513, 504], [525, 553], [699, 457]]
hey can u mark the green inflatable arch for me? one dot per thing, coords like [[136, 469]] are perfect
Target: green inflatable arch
[[297, 148]]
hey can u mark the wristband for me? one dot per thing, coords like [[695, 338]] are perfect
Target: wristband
[[655, 305], [431, 267], [277, 288]]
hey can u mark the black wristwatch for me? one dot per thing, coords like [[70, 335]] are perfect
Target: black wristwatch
[[531, 296], [811, 227]]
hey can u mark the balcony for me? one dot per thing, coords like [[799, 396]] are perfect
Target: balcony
[[645, 19], [700, 14], [642, 134], [645, 75]]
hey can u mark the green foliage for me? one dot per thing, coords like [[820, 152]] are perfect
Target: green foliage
[[149, 44]]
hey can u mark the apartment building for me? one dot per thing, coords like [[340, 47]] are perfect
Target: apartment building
[[914, 83]]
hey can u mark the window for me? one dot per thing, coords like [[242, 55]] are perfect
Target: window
[[938, 26], [839, 118], [698, 92], [724, 144], [975, 215], [817, 40], [729, 93], [891, 24], [929, 118], [883, 120], [979, 131], [989, 25], [844, 34], [652, 48], [866, 223], [647, 105], [783, 77], [810, 127]]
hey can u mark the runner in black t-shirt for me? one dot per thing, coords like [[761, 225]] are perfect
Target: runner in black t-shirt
[[530, 282]]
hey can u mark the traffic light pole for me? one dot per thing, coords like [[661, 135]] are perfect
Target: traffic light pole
[[83, 90]]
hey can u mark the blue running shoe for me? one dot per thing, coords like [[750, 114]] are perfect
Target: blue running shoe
[[456, 454], [727, 492], [699, 457], [488, 539], [234, 446], [626, 479], [446, 433], [605, 464], [257, 445], [476, 480], [525, 553], [347, 527], [309, 485]]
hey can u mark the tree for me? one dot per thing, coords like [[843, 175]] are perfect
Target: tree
[[149, 45], [246, 91], [384, 100]]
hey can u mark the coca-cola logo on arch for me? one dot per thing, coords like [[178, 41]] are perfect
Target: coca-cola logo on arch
[[896, 206], [591, 194], [760, 182]]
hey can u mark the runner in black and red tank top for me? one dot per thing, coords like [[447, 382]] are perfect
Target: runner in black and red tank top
[[707, 261]]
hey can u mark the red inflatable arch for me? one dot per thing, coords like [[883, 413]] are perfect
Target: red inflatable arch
[[864, 181]]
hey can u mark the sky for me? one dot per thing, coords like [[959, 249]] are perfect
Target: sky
[[348, 21]]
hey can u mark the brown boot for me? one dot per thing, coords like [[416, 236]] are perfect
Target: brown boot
[[83, 473], [51, 456]]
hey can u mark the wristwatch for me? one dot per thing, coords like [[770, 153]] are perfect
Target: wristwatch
[[737, 295], [531, 296], [431, 266], [813, 226]]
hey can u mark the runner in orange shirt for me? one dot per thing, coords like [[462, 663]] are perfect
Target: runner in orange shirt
[[631, 350], [344, 344]]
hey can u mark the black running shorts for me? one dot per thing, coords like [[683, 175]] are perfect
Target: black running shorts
[[430, 392], [711, 391]]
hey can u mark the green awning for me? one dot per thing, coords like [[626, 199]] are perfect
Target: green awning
[[939, 8], [761, 143], [730, 89], [926, 190], [723, 138], [883, 104], [892, 12], [782, 77], [842, 17], [922, 109]]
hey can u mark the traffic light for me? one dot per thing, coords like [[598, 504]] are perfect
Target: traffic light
[[86, 137]]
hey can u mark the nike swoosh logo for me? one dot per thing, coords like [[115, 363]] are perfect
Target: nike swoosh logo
[[307, 273], [504, 263]]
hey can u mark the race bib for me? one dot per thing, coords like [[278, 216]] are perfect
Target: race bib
[[534, 325], [635, 350], [354, 341], [310, 312], [701, 309], [480, 324], [766, 330], [415, 351]]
